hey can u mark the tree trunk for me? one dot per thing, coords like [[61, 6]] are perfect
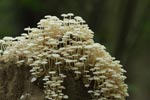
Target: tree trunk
[[15, 84]]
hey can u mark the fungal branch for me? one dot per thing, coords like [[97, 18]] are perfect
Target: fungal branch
[[57, 46]]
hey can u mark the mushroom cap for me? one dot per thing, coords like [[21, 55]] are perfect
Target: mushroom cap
[[56, 55], [77, 72], [65, 97], [52, 72], [90, 91], [44, 62]]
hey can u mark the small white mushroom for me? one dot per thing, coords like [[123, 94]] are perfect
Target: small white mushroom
[[87, 85], [90, 91], [44, 62], [33, 79], [45, 79], [65, 97], [52, 72]]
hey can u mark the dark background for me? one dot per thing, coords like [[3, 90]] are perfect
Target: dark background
[[123, 26]]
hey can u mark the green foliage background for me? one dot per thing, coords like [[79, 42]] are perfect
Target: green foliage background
[[123, 26]]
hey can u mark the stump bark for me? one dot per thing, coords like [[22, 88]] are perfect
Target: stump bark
[[15, 84]]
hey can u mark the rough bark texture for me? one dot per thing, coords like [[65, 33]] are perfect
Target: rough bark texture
[[15, 84]]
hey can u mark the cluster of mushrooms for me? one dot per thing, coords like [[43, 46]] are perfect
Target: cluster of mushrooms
[[58, 46]]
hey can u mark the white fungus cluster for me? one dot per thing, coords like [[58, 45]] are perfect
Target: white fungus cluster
[[57, 46]]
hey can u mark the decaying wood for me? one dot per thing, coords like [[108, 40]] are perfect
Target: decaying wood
[[15, 84]]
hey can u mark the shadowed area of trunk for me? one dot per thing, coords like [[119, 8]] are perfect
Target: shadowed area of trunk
[[15, 84], [75, 89]]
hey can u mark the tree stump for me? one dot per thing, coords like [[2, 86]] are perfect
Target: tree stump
[[15, 84]]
